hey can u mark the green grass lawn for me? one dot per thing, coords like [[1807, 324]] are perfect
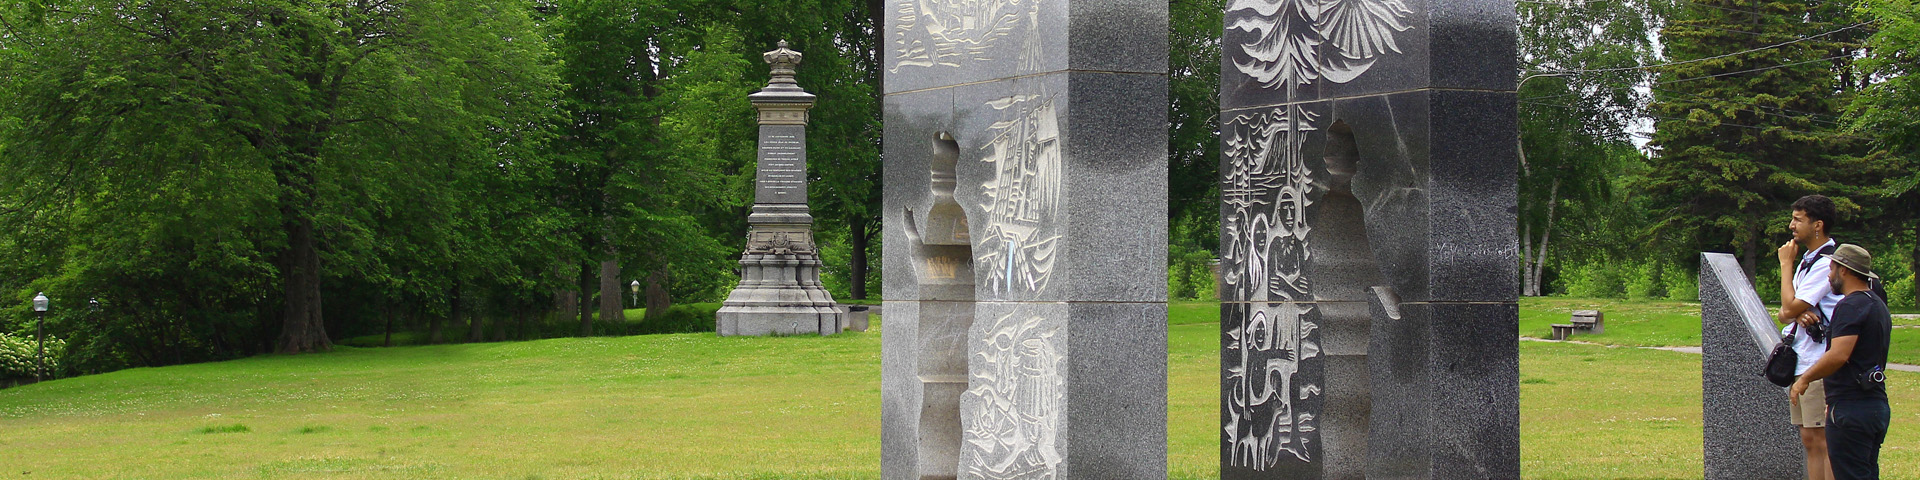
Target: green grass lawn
[[698, 406], [1660, 323]]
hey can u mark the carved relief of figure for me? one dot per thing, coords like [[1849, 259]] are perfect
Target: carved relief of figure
[[1015, 406], [1266, 238]]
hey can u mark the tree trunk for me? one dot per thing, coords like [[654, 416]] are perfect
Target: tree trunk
[[857, 268], [387, 311], [302, 330], [1913, 264], [477, 331], [586, 316], [659, 300], [1535, 256], [610, 298], [1526, 260], [436, 330], [566, 301], [1747, 258]]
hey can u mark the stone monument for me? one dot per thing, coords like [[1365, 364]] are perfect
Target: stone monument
[[1369, 179], [1744, 418], [1025, 213], [779, 291]]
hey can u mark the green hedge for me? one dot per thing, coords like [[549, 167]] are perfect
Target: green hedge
[[683, 318]]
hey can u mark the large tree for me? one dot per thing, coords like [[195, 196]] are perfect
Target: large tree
[[1743, 122], [1886, 110], [277, 129], [1578, 101]]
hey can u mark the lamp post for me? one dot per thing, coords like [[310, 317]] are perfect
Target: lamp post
[[40, 333], [636, 293]]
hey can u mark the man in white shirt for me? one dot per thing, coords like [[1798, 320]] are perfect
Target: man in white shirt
[[1806, 301]]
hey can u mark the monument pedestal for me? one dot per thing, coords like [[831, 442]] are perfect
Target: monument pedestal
[[780, 291]]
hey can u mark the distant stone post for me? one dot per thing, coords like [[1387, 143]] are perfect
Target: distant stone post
[[1745, 421], [1369, 176], [779, 291]]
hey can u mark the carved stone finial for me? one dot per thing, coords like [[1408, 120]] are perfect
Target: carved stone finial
[[784, 62]]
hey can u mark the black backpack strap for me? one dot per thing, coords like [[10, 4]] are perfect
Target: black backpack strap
[[1827, 250]]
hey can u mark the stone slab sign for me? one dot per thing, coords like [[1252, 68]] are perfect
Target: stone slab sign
[[1746, 431], [1025, 214], [1368, 179], [780, 291]]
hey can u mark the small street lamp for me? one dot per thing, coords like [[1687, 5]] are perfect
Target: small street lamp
[[636, 293], [40, 332]]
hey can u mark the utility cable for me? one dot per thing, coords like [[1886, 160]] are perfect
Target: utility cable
[[1716, 57]]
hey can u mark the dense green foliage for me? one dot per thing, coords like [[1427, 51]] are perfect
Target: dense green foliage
[[1577, 109], [217, 172], [1752, 104]]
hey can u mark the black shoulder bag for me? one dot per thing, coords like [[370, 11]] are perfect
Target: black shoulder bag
[[1783, 360]]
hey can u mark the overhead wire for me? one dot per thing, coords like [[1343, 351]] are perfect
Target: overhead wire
[[1715, 57], [1683, 119], [1704, 77]]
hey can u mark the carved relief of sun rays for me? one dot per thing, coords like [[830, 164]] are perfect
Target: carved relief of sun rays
[[1287, 36]]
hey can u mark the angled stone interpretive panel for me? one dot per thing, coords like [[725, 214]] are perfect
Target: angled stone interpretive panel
[[1025, 213], [1368, 184], [1745, 419]]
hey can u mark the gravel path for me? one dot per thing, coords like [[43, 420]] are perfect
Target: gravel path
[[1696, 351]]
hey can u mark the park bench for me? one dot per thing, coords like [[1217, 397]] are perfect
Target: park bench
[[1590, 321], [1561, 331]]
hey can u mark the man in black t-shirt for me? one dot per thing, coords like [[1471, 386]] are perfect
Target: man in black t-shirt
[[1854, 368]]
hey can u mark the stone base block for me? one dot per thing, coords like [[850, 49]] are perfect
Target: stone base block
[[764, 321]]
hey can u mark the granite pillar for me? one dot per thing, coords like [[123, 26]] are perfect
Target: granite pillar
[[1369, 184], [780, 291], [1025, 213], [1746, 431]]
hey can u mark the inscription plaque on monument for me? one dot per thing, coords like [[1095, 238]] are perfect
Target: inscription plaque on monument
[[1368, 181], [1025, 212], [782, 176]]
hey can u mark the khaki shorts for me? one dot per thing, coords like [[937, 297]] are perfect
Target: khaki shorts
[[1812, 412]]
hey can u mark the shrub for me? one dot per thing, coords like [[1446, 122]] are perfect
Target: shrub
[[1900, 292], [1602, 280], [17, 357], [1190, 274], [1682, 284], [1645, 280]]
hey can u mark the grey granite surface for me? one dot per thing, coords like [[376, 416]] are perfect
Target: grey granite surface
[[1746, 434], [1369, 189], [1025, 198]]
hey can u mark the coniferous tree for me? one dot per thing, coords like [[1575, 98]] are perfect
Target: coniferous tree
[[1743, 124]]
